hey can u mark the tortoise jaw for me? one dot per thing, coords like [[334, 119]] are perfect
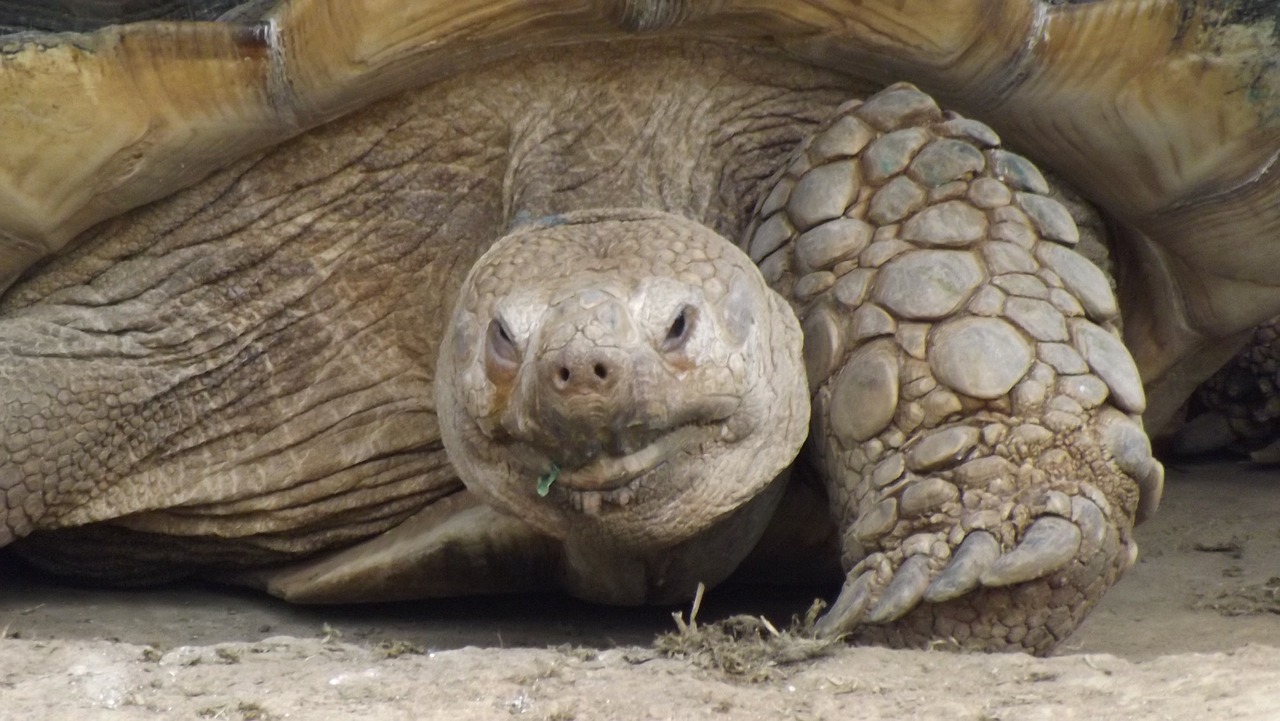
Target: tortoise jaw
[[610, 472], [608, 456], [615, 480]]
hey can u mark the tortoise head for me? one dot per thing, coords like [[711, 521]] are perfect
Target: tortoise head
[[622, 379]]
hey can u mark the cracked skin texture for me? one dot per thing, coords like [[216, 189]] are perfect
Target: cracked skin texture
[[242, 375]]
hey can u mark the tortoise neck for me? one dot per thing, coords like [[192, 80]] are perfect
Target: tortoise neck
[[691, 129]]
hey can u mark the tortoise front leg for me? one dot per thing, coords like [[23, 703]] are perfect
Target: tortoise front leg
[[976, 417]]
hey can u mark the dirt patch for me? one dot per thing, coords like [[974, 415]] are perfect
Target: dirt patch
[[1191, 633], [749, 647], [1247, 600]]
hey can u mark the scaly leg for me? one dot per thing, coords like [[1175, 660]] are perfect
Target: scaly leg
[[976, 417], [1238, 408]]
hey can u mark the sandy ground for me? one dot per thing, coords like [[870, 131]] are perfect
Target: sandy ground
[[1191, 633]]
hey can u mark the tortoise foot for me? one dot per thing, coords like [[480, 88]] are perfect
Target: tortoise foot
[[1238, 408], [998, 537], [976, 416]]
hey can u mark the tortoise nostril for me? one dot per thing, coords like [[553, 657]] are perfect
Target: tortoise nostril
[[586, 375]]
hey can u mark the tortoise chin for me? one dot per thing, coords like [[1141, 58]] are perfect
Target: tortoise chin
[[616, 399]]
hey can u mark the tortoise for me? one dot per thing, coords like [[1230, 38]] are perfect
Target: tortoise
[[399, 300]]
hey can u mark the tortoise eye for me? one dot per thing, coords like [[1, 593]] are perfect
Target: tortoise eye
[[502, 356], [680, 330]]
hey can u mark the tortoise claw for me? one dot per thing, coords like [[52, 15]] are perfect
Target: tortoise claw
[[1150, 490], [847, 612], [1092, 523], [1048, 544], [975, 555], [903, 592], [1131, 451]]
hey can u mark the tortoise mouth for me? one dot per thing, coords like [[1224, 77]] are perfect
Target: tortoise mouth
[[609, 473], [608, 456], [617, 480]]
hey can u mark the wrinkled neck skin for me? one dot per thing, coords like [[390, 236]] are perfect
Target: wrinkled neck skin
[[693, 130], [722, 421]]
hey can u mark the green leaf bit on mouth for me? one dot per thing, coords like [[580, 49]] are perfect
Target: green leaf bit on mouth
[[545, 481]]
